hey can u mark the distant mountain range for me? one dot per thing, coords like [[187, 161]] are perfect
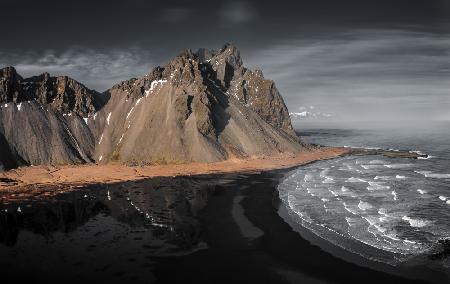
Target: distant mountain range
[[203, 106]]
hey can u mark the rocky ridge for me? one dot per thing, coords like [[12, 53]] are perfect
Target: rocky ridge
[[202, 106]]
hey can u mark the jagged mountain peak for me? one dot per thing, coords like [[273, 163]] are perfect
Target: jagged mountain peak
[[191, 67], [229, 52], [61, 94], [209, 71], [9, 73]]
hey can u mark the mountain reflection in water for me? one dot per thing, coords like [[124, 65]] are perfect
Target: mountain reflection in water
[[104, 230]]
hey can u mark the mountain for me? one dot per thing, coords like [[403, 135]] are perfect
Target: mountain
[[203, 106], [41, 120]]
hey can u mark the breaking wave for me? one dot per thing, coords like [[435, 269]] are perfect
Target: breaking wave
[[430, 174], [374, 207], [417, 223]]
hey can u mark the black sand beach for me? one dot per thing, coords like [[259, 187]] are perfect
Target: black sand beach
[[199, 229], [257, 246]]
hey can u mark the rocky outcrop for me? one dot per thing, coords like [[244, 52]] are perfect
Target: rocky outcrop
[[249, 87], [42, 120], [202, 106], [60, 94]]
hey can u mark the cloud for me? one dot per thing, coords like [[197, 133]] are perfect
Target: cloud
[[96, 69], [356, 75], [236, 12], [363, 74]]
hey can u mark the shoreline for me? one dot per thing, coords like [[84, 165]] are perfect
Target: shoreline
[[412, 270], [246, 234], [51, 180]]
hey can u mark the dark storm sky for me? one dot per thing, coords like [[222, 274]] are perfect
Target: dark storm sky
[[355, 59]]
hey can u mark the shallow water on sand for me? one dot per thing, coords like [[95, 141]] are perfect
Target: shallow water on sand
[[105, 233], [385, 209]]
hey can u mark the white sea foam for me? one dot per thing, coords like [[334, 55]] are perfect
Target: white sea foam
[[443, 198], [353, 179], [384, 215], [387, 228], [417, 223], [392, 237], [373, 222], [310, 191], [398, 166], [373, 185], [334, 193], [364, 205], [382, 211], [382, 178], [301, 214], [308, 177], [324, 172], [409, 241], [351, 221], [350, 210], [425, 158], [430, 174], [372, 148], [370, 167], [349, 167], [394, 194], [383, 219], [424, 155]]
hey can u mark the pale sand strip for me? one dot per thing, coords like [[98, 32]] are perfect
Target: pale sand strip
[[112, 173]]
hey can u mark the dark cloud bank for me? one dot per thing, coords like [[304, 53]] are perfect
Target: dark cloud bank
[[359, 60]]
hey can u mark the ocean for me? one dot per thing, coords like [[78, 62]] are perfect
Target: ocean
[[390, 210]]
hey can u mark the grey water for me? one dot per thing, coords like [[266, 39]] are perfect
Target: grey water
[[391, 210]]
